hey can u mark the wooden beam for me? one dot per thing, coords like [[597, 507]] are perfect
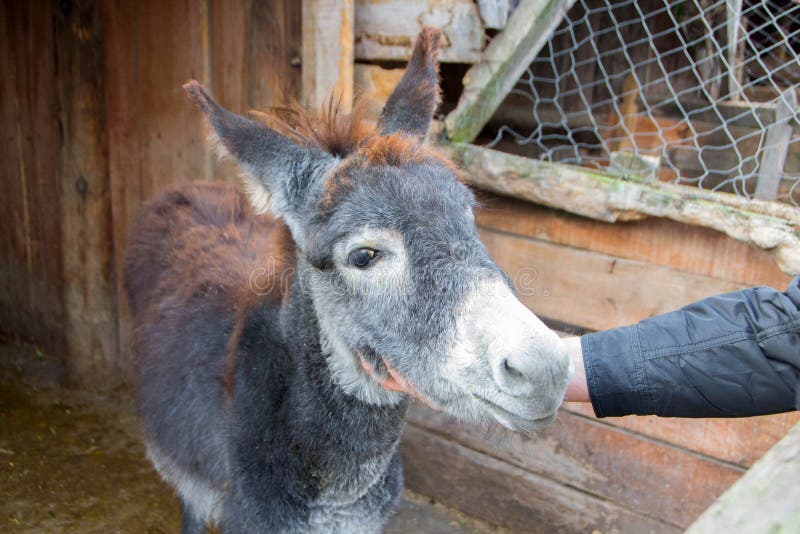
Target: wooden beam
[[691, 249], [86, 221], [488, 82], [765, 499], [599, 196], [779, 135], [327, 57], [385, 30]]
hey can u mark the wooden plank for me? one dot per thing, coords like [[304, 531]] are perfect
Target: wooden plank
[[661, 481], [328, 52], [692, 249], [31, 278], [385, 30], [738, 441], [766, 499], [502, 63], [602, 197], [273, 75], [124, 146], [776, 147], [592, 290], [86, 236], [508, 496]]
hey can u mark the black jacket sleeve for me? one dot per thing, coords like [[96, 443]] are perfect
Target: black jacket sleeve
[[732, 355]]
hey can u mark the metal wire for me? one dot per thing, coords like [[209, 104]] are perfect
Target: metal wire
[[673, 90]]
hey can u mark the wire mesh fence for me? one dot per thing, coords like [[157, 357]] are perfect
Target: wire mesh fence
[[699, 92]]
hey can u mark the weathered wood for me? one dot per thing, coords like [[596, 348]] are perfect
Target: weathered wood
[[86, 222], [776, 146], [671, 484], [31, 278], [592, 290], [375, 84], [599, 196], [687, 248], [385, 30], [738, 441], [502, 63], [766, 499], [735, 48], [273, 58], [494, 13], [506, 495], [327, 55]]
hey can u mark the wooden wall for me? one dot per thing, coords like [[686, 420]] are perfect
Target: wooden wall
[[631, 474], [95, 123]]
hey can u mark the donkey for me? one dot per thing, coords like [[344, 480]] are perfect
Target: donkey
[[252, 328]]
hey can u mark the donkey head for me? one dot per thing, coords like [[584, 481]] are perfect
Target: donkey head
[[393, 262]]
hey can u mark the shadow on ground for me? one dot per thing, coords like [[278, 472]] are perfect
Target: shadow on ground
[[72, 461]]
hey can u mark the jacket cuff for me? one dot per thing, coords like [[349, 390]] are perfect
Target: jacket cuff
[[615, 373]]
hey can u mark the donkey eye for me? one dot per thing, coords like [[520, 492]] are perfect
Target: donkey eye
[[362, 257]]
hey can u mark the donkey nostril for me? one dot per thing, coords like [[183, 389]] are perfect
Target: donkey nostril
[[512, 372]]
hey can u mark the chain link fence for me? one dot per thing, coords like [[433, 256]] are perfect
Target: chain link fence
[[697, 92]]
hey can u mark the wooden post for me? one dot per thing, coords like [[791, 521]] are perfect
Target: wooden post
[[86, 222], [735, 48], [488, 82], [765, 499], [779, 134], [327, 56]]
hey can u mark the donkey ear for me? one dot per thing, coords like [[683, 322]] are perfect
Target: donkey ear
[[279, 173], [411, 105]]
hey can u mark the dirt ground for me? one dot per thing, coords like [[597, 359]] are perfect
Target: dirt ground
[[72, 461]]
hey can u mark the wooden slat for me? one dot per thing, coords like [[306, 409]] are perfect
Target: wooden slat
[[506, 495], [86, 224], [593, 290], [739, 441], [31, 278], [502, 63], [776, 147], [385, 30], [272, 71], [327, 52], [665, 482], [684, 247]]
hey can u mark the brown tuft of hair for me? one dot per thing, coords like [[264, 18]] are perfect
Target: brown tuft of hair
[[331, 130]]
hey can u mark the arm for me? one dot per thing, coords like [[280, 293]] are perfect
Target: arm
[[731, 355]]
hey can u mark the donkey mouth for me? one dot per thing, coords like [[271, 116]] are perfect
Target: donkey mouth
[[514, 421]]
